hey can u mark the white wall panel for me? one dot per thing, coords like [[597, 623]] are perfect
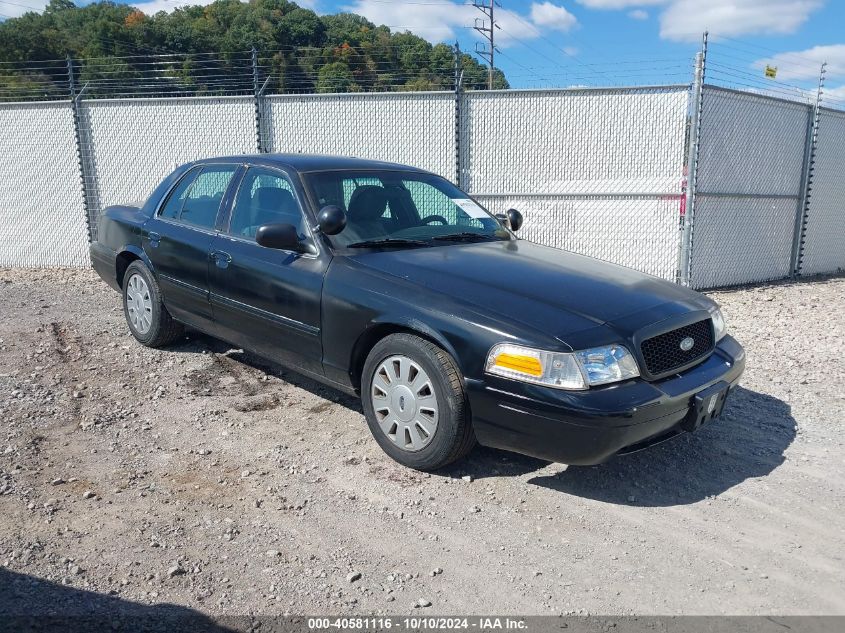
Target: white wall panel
[[575, 141], [41, 209], [135, 143], [824, 239], [575, 151], [748, 188], [751, 144], [640, 233], [410, 128], [741, 240]]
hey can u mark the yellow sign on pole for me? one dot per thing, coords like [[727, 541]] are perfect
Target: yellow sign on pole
[[771, 71]]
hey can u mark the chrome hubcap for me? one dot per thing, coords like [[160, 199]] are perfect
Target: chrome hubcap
[[139, 305], [404, 403]]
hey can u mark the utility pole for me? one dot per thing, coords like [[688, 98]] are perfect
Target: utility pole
[[486, 51]]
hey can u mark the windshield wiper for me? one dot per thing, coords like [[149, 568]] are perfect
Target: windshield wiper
[[393, 241], [467, 236]]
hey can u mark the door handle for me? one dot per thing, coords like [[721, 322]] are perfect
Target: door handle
[[155, 238], [221, 258]]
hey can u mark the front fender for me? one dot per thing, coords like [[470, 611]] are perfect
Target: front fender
[[358, 301], [405, 321]]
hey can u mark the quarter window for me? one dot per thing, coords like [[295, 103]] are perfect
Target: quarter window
[[177, 197]]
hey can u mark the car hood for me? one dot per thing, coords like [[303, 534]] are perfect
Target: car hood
[[552, 291]]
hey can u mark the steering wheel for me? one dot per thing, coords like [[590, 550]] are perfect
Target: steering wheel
[[435, 218]]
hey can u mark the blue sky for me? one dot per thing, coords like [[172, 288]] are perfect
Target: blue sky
[[575, 42]]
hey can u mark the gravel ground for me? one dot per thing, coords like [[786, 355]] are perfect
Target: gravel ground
[[202, 477]]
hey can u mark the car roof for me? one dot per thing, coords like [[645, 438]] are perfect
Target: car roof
[[311, 162]]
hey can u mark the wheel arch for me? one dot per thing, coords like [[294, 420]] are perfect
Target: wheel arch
[[377, 331], [125, 257]]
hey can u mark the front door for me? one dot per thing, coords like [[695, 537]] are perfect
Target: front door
[[264, 299], [179, 237]]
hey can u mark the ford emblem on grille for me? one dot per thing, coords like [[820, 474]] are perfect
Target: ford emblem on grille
[[687, 343]]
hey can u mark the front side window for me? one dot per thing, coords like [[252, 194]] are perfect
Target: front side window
[[203, 198], [265, 197], [397, 205]]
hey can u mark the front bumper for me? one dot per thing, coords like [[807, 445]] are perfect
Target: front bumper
[[589, 427]]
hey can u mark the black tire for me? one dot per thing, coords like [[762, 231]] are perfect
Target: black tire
[[453, 437], [164, 329]]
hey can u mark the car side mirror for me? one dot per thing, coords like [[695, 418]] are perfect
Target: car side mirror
[[515, 219], [282, 237], [331, 219], [512, 219]]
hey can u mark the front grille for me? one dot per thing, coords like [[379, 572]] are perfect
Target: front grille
[[663, 353]]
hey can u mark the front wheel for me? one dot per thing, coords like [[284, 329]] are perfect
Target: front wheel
[[148, 319], [415, 403]]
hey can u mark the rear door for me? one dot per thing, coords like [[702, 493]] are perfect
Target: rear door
[[179, 237], [265, 299]]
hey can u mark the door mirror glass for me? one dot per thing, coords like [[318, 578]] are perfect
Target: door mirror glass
[[331, 219], [280, 236]]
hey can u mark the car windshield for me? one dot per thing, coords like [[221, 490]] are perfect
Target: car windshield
[[401, 209]]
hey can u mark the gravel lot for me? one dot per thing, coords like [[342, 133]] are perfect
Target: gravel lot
[[202, 477]]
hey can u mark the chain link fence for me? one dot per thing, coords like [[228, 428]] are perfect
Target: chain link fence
[[748, 187], [597, 171], [41, 202], [824, 238], [129, 146], [411, 128]]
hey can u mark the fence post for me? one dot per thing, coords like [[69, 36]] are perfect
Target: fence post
[[84, 176], [459, 76], [261, 135], [803, 210], [686, 223], [256, 99]]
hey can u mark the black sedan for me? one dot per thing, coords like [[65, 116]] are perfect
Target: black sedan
[[389, 282]]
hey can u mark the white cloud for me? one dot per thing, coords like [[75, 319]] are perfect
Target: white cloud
[[806, 64], [20, 7], [621, 4], [433, 22], [638, 14], [687, 19], [154, 6], [552, 16], [442, 22], [837, 93]]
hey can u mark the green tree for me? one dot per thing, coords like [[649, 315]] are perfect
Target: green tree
[[300, 51], [335, 77]]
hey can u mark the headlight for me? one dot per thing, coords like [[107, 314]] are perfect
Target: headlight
[[562, 370], [719, 327]]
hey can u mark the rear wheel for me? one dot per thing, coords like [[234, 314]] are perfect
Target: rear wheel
[[415, 403], [148, 319]]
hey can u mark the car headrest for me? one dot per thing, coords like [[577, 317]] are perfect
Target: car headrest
[[368, 202], [274, 199]]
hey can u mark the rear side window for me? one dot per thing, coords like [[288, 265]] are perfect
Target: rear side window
[[204, 196], [174, 203]]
